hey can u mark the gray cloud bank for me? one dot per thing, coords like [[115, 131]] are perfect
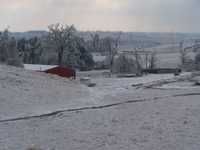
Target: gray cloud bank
[[125, 15]]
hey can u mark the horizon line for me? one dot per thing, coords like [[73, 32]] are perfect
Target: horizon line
[[112, 31]]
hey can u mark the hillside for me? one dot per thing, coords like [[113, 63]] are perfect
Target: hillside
[[150, 112], [26, 93]]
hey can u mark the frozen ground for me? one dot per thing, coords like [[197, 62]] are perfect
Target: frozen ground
[[164, 124], [26, 93], [38, 67], [29, 93], [114, 115]]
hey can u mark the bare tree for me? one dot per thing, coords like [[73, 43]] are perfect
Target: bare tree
[[8, 50], [59, 38], [183, 53], [4, 37], [95, 42], [126, 64], [35, 50], [153, 60], [138, 61], [117, 40], [30, 49], [146, 60], [13, 54], [113, 47]]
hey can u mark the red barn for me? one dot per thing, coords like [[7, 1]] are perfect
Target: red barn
[[62, 71], [57, 70]]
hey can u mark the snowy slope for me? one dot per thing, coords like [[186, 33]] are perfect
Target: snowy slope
[[25, 93], [38, 67], [124, 118], [29, 93]]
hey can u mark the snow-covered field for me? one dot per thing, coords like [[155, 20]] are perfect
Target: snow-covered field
[[171, 60], [38, 67], [25, 93], [53, 112]]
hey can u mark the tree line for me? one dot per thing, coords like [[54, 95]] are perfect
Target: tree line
[[62, 46]]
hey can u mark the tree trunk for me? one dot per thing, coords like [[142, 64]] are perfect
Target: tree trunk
[[60, 56]]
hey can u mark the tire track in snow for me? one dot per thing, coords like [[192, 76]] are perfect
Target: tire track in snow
[[161, 82], [95, 107]]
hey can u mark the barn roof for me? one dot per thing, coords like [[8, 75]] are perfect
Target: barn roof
[[38, 67]]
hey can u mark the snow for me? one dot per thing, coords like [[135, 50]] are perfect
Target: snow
[[115, 86], [178, 86], [33, 93], [158, 120], [25, 93], [38, 67], [172, 123], [97, 57]]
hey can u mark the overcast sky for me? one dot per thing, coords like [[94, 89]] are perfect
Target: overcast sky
[[124, 15]]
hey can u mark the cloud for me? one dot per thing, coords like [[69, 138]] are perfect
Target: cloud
[[127, 15]]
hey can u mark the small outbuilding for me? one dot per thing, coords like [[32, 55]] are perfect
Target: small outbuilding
[[62, 71], [52, 69]]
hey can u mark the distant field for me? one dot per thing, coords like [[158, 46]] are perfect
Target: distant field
[[168, 55]]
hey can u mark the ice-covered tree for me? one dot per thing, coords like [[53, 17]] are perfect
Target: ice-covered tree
[[30, 50], [183, 53], [8, 50], [153, 60], [59, 39], [85, 60], [95, 43], [4, 38]]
